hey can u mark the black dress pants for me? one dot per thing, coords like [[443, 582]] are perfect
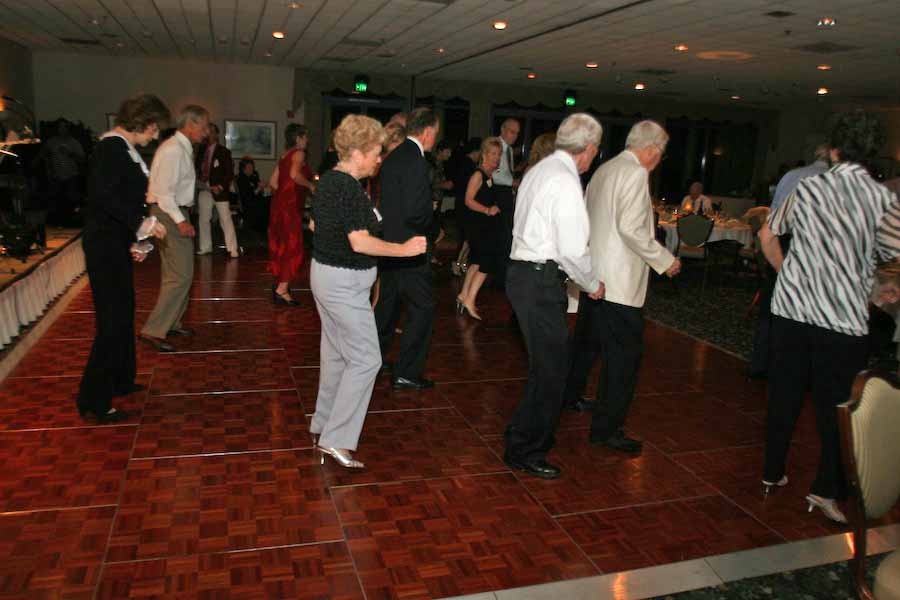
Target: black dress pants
[[112, 366], [825, 361], [585, 347], [413, 287], [621, 331], [506, 202], [539, 301]]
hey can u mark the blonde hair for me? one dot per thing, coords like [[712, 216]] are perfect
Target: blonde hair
[[394, 133], [487, 144], [542, 146], [357, 132]]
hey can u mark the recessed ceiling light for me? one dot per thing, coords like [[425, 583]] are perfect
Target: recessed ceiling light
[[735, 97], [278, 35], [120, 44], [532, 76], [95, 21], [639, 86], [294, 5], [680, 48], [440, 50], [826, 22], [822, 91], [268, 54], [500, 25], [824, 67], [591, 65]]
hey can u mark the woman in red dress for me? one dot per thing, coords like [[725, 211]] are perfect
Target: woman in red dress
[[290, 182]]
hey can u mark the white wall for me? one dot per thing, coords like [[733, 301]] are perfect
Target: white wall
[[87, 87], [15, 72]]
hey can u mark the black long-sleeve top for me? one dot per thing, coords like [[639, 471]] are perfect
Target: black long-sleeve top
[[117, 188]]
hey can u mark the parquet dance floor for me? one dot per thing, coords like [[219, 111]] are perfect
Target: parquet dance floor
[[212, 489]]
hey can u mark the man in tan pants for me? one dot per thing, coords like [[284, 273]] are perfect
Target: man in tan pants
[[171, 192]]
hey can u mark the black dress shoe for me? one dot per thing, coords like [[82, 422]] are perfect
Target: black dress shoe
[[402, 383], [131, 389], [618, 441], [181, 331], [116, 416], [157, 343], [539, 468], [583, 404]]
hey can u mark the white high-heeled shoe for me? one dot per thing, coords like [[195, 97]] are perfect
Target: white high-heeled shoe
[[341, 457], [828, 506]]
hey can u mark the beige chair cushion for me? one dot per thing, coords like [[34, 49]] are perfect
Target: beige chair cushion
[[887, 578], [876, 445]]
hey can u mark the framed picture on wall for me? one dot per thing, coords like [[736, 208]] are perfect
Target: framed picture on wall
[[255, 139], [110, 121]]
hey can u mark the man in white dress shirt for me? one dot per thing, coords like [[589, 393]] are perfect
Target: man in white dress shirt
[[695, 201], [171, 189], [622, 247], [504, 184], [550, 236]]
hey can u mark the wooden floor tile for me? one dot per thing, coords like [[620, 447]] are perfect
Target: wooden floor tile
[[61, 468], [449, 537], [198, 505]]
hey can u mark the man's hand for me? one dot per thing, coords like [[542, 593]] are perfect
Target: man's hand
[[598, 295], [675, 268], [158, 231], [415, 246], [186, 229]]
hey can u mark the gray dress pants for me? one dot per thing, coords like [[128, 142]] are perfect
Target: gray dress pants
[[349, 358]]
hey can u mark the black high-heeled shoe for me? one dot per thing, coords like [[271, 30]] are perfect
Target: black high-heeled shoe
[[279, 299]]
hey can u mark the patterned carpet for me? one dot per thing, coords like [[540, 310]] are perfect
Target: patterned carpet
[[718, 315], [818, 583]]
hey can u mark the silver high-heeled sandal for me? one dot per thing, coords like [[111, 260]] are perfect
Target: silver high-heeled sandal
[[768, 485], [341, 457], [828, 506]]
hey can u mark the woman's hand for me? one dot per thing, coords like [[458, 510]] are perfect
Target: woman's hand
[[136, 254], [492, 211], [415, 246]]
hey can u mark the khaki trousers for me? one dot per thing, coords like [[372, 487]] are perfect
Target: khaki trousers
[[176, 254]]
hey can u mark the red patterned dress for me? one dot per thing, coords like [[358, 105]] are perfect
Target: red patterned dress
[[286, 221]]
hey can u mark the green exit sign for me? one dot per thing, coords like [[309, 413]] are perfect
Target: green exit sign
[[361, 84], [569, 98], [570, 101]]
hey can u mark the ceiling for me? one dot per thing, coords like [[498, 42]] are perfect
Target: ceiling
[[632, 41]]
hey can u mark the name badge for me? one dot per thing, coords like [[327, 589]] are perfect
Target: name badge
[[377, 214]]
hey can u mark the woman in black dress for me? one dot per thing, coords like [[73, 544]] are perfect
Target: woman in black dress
[[115, 219], [483, 228]]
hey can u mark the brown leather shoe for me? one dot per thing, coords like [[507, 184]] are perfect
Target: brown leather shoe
[[159, 344]]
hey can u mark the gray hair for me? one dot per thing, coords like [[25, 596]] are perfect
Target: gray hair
[[191, 112], [577, 131], [647, 133]]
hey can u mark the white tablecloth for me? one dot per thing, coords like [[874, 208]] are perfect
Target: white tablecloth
[[25, 300], [741, 233]]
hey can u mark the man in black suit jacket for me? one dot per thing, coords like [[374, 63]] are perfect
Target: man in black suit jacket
[[215, 172], [407, 211]]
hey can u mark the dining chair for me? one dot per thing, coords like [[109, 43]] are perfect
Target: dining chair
[[693, 233], [869, 425]]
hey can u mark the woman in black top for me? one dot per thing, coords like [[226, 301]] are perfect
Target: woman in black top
[[483, 228], [341, 278], [114, 221], [254, 204]]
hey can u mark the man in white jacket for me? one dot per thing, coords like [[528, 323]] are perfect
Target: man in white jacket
[[622, 246]]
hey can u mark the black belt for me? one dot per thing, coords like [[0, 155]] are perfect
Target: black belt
[[549, 268]]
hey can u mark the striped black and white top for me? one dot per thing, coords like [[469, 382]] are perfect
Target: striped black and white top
[[841, 221]]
